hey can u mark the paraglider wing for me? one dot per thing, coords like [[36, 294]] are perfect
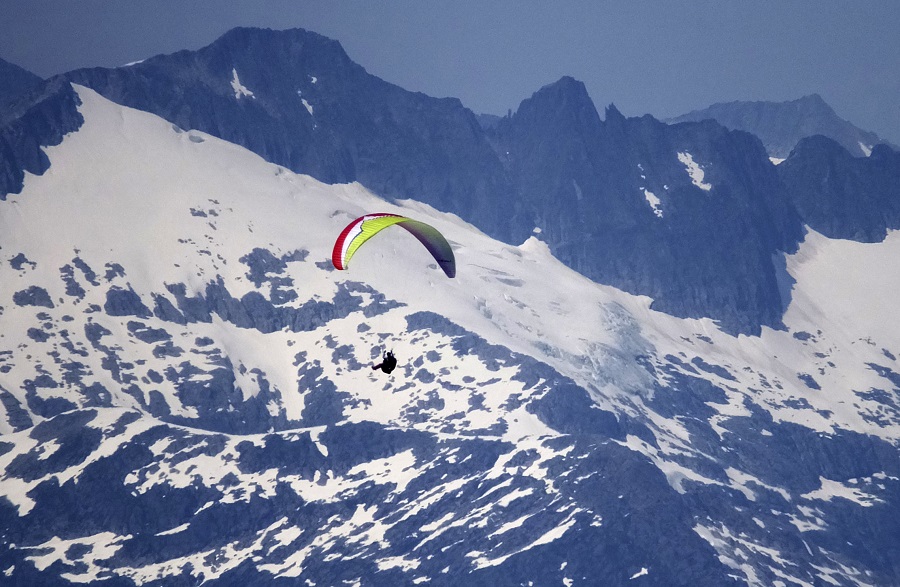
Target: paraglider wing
[[365, 227], [435, 242]]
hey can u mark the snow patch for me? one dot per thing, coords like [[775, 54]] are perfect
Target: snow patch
[[830, 490], [176, 530], [643, 572], [91, 564], [654, 202], [239, 89], [694, 170]]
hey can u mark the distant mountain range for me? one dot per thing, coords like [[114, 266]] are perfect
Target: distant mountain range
[[781, 125], [623, 201]]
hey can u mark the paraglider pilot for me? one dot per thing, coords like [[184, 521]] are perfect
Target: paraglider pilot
[[388, 362]]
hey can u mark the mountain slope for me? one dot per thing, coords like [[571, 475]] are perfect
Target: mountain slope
[[295, 98], [781, 125], [187, 395], [14, 81], [690, 215]]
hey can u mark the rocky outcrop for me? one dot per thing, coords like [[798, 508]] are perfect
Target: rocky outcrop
[[14, 81], [38, 120], [843, 196]]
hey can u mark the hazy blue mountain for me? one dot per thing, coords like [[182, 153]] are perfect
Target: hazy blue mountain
[[781, 125], [186, 391]]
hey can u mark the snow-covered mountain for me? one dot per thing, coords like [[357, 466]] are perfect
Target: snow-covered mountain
[[187, 395], [781, 125], [692, 215]]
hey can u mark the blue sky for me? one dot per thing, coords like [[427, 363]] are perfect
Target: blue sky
[[662, 57]]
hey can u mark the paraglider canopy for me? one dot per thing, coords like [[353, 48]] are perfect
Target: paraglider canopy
[[365, 227]]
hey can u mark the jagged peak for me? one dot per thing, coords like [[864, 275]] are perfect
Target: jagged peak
[[564, 86], [814, 98], [9, 66], [613, 113], [815, 103], [818, 143], [566, 96], [568, 81], [15, 80]]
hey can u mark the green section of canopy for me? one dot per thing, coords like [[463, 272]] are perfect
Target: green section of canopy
[[368, 229]]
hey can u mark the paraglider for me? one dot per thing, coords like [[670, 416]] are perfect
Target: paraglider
[[387, 364], [365, 227]]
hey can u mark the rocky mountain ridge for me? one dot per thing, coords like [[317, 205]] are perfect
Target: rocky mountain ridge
[[692, 215]]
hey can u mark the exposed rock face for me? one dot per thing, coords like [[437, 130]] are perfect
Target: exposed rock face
[[843, 196], [40, 119], [14, 81], [781, 125], [689, 214]]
